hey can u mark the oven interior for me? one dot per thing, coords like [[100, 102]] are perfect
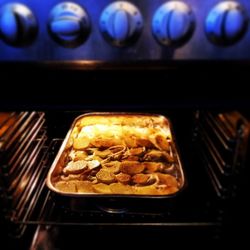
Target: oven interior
[[197, 79], [214, 150]]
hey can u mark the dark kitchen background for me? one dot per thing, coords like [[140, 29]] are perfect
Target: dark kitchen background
[[187, 60]]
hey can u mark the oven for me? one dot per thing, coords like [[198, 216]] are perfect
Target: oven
[[163, 57]]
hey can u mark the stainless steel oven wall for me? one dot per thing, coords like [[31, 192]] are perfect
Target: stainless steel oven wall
[[77, 38]]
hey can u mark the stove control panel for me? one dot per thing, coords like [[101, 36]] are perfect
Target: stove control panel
[[111, 30]]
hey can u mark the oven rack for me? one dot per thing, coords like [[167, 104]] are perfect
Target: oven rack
[[23, 138], [222, 142], [51, 210], [36, 205]]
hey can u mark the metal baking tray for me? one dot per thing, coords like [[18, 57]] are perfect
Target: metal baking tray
[[165, 177]]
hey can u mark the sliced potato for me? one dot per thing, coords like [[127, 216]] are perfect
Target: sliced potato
[[131, 167], [123, 178], [119, 188], [81, 143], [157, 155], [152, 167], [75, 167], [141, 142], [113, 167], [69, 143], [164, 190], [130, 141], [132, 158], [137, 151], [66, 186], [103, 154], [105, 142], [162, 142], [80, 155], [84, 187], [145, 190], [71, 177], [102, 188], [105, 176], [168, 180], [141, 179], [93, 164]]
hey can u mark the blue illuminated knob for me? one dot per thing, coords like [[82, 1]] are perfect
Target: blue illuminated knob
[[173, 23], [18, 25], [69, 24], [226, 23], [121, 23]]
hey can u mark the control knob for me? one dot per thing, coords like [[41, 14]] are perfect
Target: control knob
[[18, 25], [226, 23], [173, 23], [69, 24], [121, 23]]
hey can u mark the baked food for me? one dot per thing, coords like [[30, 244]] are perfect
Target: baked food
[[118, 154]]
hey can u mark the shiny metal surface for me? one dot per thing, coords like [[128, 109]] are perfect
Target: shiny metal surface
[[44, 48], [18, 25], [121, 23], [69, 24], [60, 158], [173, 23]]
